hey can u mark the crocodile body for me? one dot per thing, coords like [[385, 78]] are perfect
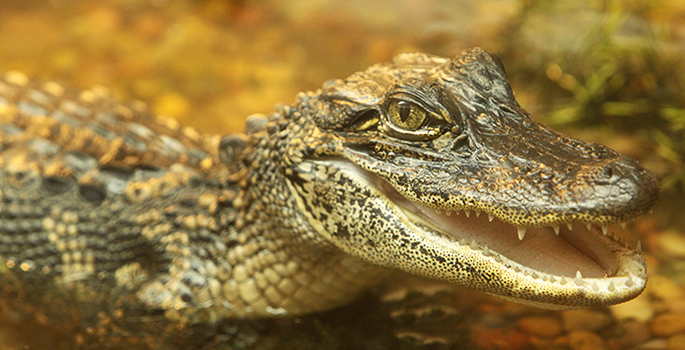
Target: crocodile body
[[130, 216]]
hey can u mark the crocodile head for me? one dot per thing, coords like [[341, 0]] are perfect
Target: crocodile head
[[429, 165]]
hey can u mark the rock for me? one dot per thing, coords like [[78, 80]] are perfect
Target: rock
[[585, 340], [588, 320], [546, 327], [634, 333], [676, 342], [500, 339], [639, 309], [668, 324]]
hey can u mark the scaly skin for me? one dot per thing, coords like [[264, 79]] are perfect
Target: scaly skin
[[128, 215]]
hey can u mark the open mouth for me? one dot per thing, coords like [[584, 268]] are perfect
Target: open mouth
[[555, 252], [567, 261]]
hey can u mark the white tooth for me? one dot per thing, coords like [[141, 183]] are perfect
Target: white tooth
[[448, 212], [534, 275], [623, 225], [486, 251], [474, 245], [490, 217], [570, 226], [468, 213], [579, 279], [605, 229], [517, 269], [588, 226], [521, 232], [552, 279], [611, 287], [629, 282], [556, 229], [638, 247], [563, 280], [595, 286], [477, 213], [498, 259], [438, 211]]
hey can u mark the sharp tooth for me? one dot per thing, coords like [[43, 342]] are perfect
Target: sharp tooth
[[605, 229], [468, 213], [477, 213], [579, 279], [638, 247], [611, 287], [552, 279], [623, 225], [556, 229], [448, 212], [438, 211], [486, 251], [517, 269], [563, 280], [534, 275], [474, 245], [490, 217], [588, 226], [521, 232], [570, 226], [595, 286]]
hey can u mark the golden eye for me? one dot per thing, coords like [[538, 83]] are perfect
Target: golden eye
[[406, 115]]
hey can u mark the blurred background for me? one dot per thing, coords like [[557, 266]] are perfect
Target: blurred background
[[603, 71]]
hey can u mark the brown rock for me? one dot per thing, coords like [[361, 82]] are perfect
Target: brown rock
[[589, 320], [500, 339], [584, 340], [668, 324], [634, 332], [540, 326], [676, 342]]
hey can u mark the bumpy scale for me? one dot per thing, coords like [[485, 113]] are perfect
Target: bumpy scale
[[127, 215]]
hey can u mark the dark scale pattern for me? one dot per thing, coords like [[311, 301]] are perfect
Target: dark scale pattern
[[148, 231]]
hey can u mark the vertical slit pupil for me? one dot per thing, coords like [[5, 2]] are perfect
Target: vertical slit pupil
[[405, 110]]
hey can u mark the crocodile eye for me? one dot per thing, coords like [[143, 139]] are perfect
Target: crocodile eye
[[406, 115]]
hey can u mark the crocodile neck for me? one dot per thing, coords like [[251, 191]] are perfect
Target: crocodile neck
[[296, 270]]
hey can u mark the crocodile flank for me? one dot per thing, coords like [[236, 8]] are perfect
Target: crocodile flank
[[427, 165]]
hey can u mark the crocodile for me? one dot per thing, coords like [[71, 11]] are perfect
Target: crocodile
[[110, 214]]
